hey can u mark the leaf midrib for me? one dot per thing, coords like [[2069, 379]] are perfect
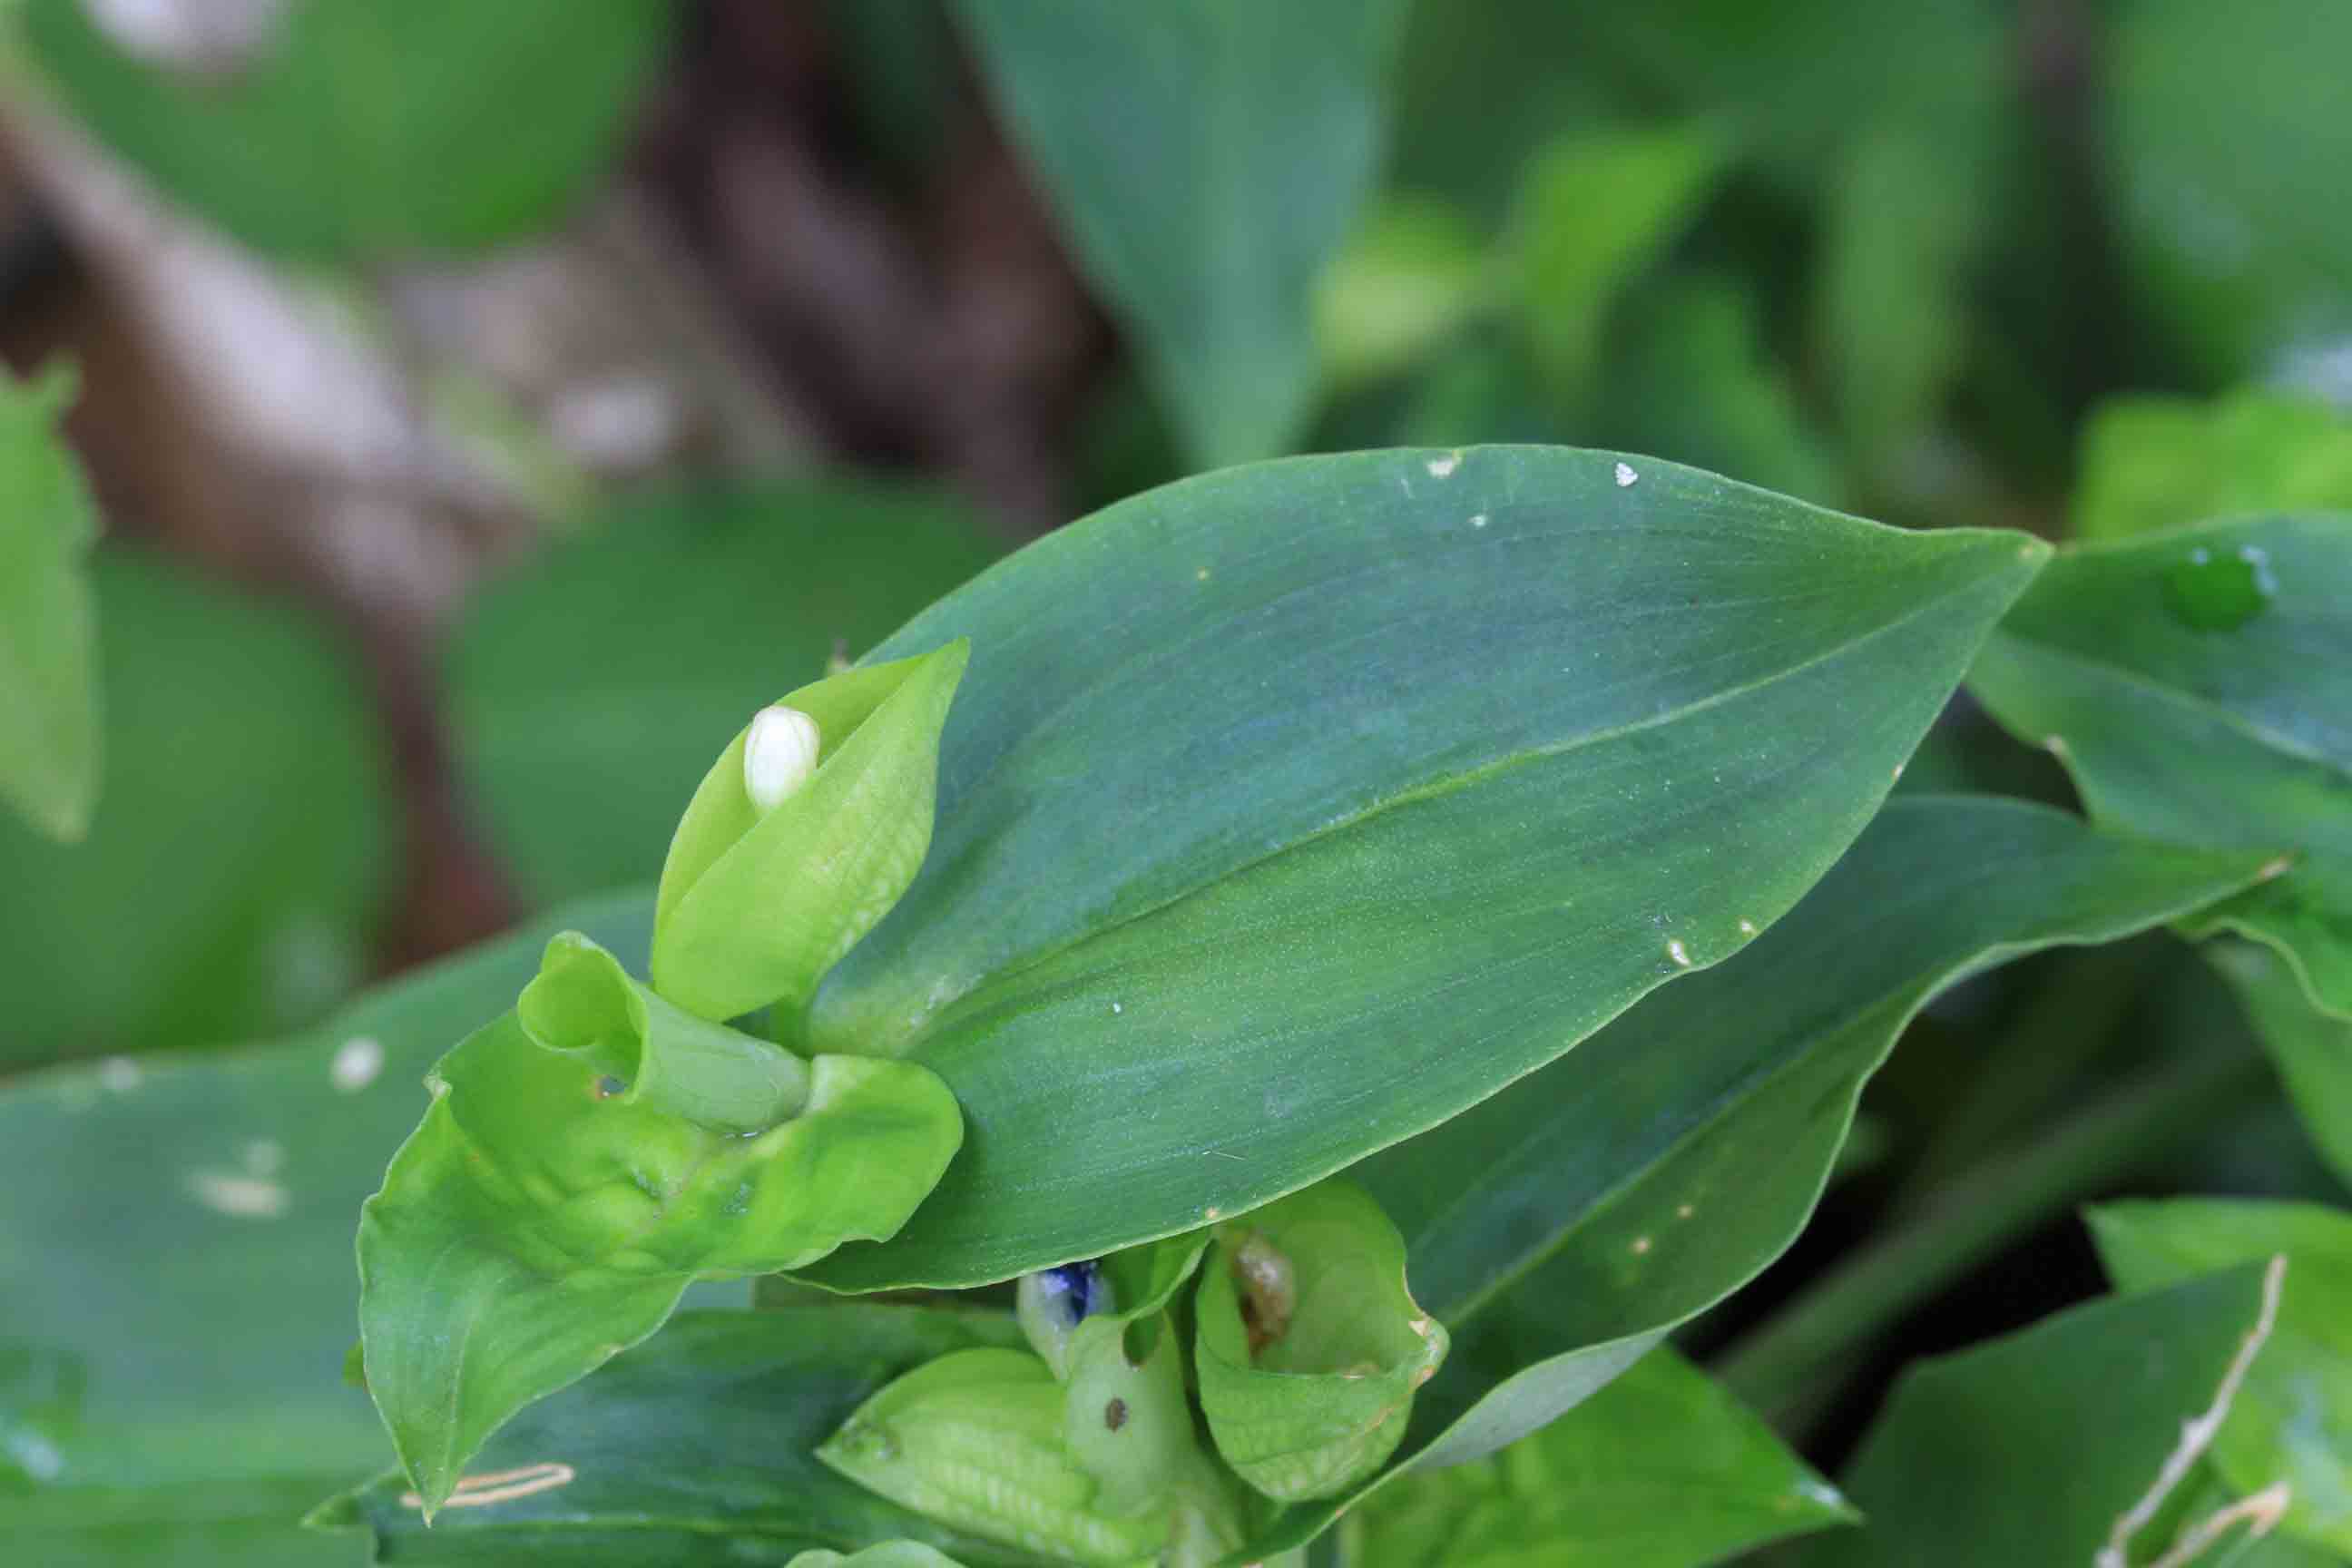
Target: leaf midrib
[[1437, 788]]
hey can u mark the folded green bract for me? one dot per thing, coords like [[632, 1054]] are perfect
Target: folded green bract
[[1305, 1396], [591, 1154], [1085, 1452], [755, 907]]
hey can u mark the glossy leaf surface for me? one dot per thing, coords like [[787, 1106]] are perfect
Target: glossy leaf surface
[[358, 132], [2292, 1420], [1560, 1226], [1230, 755], [2198, 686], [577, 746], [1206, 161], [178, 1193], [711, 1428], [2312, 1050], [233, 872], [1660, 1469], [2028, 1448], [48, 653]]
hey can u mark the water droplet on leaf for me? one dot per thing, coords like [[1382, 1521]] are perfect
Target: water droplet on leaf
[[2212, 593]]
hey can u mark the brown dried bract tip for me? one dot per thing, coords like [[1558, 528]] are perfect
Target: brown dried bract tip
[[1269, 1290]]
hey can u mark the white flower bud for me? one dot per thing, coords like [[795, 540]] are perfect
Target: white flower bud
[[779, 755]]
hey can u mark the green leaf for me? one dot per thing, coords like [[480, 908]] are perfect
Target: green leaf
[[2313, 1052], [1660, 1469], [2198, 686], [890, 1554], [1206, 160], [174, 1194], [1309, 1346], [2031, 1449], [1904, 221], [247, 1523], [2150, 463], [650, 1053], [1230, 756], [358, 131], [2292, 1419], [1691, 379], [1559, 1228], [756, 903], [2233, 231], [246, 821], [577, 745], [974, 1440], [49, 682], [1592, 211], [584, 1162], [1411, 276], [709, 1431]]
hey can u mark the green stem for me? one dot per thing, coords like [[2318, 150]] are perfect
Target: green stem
[[1795, 1363]]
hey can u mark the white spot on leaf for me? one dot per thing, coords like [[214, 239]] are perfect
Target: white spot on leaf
[[119, 1074], [1441, 468], [1626, 476], [1679, 953]]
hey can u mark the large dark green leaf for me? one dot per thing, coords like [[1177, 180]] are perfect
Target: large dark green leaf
[[1207, 160], [1560, 1226], [700, 1447], [2029, 1448], [2292, 1420], [363, 130], [250, 1523], [48, 680], [2314, 1051], [1660, 1469], [176, 1288], [2226, 134], [1285, 812], [232, 870], [2197, 685], [589, 691]]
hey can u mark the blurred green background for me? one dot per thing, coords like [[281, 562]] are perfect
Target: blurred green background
[[486, 404]]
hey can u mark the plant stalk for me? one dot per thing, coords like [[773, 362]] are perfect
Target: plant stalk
[[1794, 1364]]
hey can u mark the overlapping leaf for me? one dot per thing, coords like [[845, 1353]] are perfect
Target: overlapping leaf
[[2030, 1449], [588, 691], [1561, 1226], [359, 131], [2314, 1051], [176, 1194], [1660, 1469], [1206, 160], [2292, 1418], [1285, 812], [710, 1429], [2197, 685]]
